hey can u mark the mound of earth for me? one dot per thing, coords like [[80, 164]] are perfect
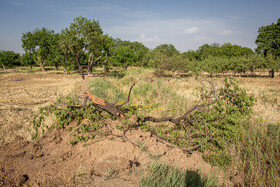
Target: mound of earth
[[109, 161]]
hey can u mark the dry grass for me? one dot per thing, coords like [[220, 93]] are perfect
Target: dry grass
[[15, 116]]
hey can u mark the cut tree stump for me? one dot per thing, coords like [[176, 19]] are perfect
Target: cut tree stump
[[112, 109]]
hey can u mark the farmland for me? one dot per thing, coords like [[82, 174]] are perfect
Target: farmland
[[86, 162]]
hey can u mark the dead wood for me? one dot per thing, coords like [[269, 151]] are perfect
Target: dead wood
[[112, 109], [128, 98]]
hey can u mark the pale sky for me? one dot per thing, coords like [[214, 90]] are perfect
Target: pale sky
[[187, 24]]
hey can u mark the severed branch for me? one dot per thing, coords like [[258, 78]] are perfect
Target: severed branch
[[112, 109]]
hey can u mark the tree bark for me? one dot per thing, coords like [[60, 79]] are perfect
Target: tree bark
[[4, 67], [271, 73], [64, 63], [91, 63], [112, 109], [43, 67], [80, 67], [104, 65], [89, 70]]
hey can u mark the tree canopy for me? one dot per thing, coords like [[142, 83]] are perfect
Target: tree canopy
[[9, 58], [268, 40], [39, 43], [268, 45]]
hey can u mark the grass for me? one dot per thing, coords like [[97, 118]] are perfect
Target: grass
[[148, 91], [260, 154], [162, 175]]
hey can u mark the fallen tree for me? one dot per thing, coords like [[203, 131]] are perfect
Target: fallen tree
[[212, 123], [216, 118]]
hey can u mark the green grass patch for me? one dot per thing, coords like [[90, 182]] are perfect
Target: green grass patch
[[162, 175]]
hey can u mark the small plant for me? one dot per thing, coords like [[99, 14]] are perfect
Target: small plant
[[109, 174], [66, 115]]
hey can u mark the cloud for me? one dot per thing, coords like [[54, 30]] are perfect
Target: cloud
[[227, 32], [196, 32], [191, 30], [143, 38]]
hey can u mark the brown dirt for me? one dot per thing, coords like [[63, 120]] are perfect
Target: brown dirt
[[52, 160]]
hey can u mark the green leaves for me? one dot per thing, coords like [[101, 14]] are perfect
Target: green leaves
[[128, 53], [9, 58], [39, 43], [268, 45]]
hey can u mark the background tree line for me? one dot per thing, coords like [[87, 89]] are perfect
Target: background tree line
[[83, 45]]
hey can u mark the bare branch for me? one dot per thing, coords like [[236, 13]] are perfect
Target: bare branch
[[128, 98]]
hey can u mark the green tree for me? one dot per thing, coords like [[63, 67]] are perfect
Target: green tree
[[28, 60], [268, 43], [126, 53], [167, 49], [83, 36], [9, 58], [39, 43]]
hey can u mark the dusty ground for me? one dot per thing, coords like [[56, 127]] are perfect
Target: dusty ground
[[15, 115], [52, 161]]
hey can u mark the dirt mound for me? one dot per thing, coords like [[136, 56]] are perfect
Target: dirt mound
[[53, 161]]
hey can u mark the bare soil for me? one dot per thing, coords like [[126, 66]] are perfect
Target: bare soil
[[105, 162]]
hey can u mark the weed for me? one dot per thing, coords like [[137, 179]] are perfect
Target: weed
[[109, 174]]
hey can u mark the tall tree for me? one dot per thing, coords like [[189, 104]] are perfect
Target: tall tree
[[83, 36], [268, 44], [39, 43]]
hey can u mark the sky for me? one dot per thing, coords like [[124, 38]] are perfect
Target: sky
[[186, 24]]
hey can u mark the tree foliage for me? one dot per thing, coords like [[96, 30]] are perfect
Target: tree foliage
[[84, 37], [268, 45], [39, 43], [126, 53], [9, 58], [27, 59]]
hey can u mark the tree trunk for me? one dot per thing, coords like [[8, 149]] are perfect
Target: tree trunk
[[104, 65], [271, 73], [4, 67], [89, 70], [64, 64], [91, 63], [80, 67], [43, 67]]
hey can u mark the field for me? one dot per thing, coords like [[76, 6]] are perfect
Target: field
[[111, 161]]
